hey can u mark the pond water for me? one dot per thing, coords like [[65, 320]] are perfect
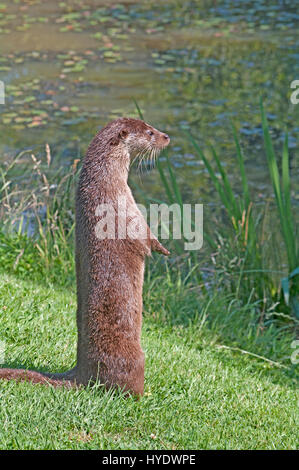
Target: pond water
[[70, 66]]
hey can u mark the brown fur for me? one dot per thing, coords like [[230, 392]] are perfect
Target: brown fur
[[110, 271]]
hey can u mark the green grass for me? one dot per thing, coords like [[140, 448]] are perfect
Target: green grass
[[198, 395]]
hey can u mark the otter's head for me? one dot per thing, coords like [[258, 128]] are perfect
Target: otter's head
[[139, 138]]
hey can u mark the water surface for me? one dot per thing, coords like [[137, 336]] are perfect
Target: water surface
[[70, 66]]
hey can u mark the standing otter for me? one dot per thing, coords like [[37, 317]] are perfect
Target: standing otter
[[109, 269]]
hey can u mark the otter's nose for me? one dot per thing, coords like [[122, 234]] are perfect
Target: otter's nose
[[166, 137]]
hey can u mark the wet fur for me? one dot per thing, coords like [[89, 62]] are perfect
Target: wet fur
[[109, 272]]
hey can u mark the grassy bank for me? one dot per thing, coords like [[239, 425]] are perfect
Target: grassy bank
[[197, 394]]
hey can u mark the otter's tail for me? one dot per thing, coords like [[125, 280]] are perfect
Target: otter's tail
[[23, 375]]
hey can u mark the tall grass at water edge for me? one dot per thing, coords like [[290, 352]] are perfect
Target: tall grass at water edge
[[241, 260]]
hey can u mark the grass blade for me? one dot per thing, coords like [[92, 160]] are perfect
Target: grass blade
[[210, 170], [233, 207], [242, 168]]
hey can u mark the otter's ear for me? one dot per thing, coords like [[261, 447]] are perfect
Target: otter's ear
[[123, 134]]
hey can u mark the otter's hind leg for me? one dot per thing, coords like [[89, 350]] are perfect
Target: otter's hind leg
[[124, 372]]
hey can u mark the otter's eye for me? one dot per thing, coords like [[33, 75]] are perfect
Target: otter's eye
[[150, 132]]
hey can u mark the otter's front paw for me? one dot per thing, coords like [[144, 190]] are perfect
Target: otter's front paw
[[156, 246]]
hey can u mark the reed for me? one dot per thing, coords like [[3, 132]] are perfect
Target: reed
[[281, 183]]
